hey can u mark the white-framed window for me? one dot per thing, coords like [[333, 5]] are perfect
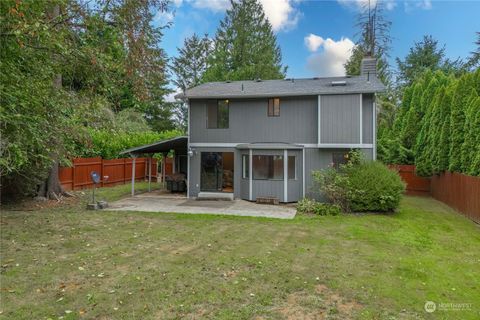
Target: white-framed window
[[245, 167]]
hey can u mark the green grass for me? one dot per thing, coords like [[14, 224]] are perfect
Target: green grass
[[132, 265]]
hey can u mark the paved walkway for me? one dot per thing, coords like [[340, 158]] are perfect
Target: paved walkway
[[153, 203]]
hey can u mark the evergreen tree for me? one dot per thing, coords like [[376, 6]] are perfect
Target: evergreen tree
[[457, 121], [245, 46], [191, 62], [471, 131], [188, 68], [444, 142], [411, 123], [473, 138], [424, 56], [474, 60], [424, 139]]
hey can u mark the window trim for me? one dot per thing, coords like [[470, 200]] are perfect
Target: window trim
[[245, 166], [218, 113], [273, 113]]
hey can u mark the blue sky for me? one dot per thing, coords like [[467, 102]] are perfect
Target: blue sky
[[316, 36]]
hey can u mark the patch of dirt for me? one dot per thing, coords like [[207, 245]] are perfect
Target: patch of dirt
[[298, 305], [33, 205], [344, 306]]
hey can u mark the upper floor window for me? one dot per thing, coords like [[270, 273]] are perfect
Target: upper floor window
[[217, 114], [274, 107]]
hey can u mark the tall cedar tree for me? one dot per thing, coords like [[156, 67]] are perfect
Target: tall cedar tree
[[471, 131], [245, 46], [188, 68], [474, 60], [424, 55], [457, 121]]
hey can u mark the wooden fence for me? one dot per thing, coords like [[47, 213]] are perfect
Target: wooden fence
[[416, 186], [119, 171], [457, 190]]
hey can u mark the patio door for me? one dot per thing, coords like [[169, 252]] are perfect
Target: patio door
[[216, 171]]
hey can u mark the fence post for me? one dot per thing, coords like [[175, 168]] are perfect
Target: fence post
[[73, 175], [133, 175], [101, 172]]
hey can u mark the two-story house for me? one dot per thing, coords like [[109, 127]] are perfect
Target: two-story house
[[263, 138]]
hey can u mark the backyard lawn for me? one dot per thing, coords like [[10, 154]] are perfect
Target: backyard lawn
[[64, 261]]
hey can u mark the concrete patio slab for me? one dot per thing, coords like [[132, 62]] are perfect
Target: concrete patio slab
[[152, 203]]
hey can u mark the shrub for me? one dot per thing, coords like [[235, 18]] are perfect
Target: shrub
[[360, 186], [322, 209], [373, 187], [332, 185]]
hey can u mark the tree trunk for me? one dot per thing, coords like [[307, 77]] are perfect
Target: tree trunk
[[51, 188]]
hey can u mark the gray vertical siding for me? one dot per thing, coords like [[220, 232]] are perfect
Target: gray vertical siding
[[317, 159], [339, 118], [367, 115], [249, 122]]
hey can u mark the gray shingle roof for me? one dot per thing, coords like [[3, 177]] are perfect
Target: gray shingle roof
[[287, 87]]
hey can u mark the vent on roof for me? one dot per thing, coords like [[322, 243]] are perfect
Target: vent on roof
[[315, 78], [228, 81], [338, 83], [288, 79], [258, 80]]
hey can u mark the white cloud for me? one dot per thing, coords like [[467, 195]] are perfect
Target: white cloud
[[281, 13], [313, 42], [422, 4], [164, 17], [329, 62]]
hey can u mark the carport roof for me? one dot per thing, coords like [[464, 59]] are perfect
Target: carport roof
[[179, 144]]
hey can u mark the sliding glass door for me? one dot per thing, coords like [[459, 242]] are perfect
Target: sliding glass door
[[216, 171]]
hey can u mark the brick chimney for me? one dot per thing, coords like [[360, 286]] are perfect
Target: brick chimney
[[368, 67]]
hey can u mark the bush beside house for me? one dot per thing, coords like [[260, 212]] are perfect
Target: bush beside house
[[360, 186]]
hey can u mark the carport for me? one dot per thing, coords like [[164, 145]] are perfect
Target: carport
[[178, 144]]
